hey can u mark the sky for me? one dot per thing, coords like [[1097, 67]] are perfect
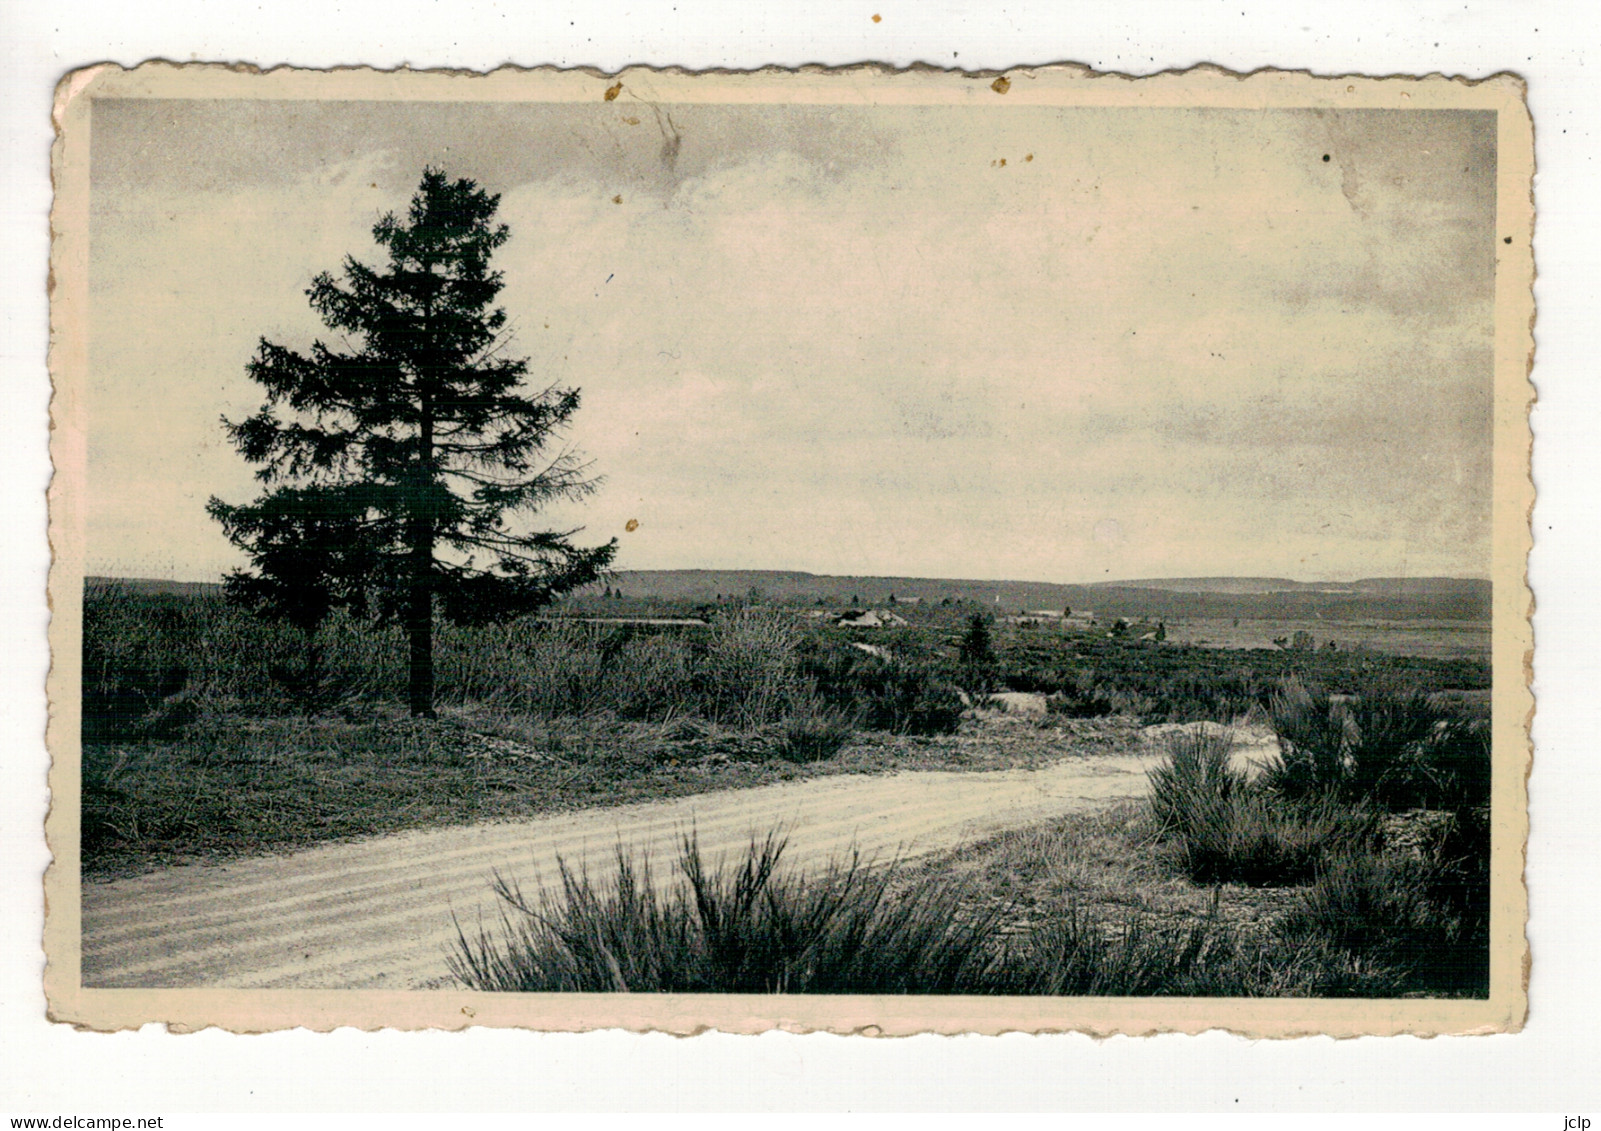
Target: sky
[[1057, 344]]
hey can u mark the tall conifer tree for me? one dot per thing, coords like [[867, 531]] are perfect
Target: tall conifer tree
[[404, 463]]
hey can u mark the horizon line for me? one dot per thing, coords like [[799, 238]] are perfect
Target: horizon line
[[217, 580]]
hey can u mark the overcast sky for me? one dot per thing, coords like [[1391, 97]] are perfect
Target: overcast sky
[[852, 340]]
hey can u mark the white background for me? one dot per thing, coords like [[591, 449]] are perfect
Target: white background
[[1551, 1066]]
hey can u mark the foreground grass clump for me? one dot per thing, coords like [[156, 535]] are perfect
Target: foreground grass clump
[[745, 929], [846, 929], [1423, 913], [1225, 828], [1379, 806], [1395, 750]]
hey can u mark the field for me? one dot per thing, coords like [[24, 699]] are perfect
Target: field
[[1441, 639], [210, 733]]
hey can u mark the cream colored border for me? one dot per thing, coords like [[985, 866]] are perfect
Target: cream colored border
[[254, 1011]]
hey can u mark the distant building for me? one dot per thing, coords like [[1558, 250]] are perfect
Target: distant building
[[1053, 619], [869, 618]]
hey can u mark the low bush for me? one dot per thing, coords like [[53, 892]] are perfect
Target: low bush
[[904, 696], [1365, 903], [1074, 703], [1224, 828], [1396, 750], [812, 735], [1412, 916], [745, 929], [1136, 956]]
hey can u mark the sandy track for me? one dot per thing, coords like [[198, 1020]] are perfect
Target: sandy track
[[378, 913]]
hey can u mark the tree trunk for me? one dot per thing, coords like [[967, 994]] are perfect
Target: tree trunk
[[420, 628], [420, 611]]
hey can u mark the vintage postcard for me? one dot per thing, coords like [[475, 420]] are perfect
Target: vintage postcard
[[865, 551]]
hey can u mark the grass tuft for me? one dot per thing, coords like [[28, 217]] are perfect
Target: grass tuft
[[1396, 750], [812, 736], [749, 928], [1227, 829]]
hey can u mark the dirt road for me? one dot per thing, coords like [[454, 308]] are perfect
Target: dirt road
[[377, 914]]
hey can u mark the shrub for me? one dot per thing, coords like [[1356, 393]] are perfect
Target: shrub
[[549, 668], [1405, 914], [1392, 749], [746, 929], [152, 662], [1227, 829], [1196, 777], [812, 735], [749, 673], [650, 677], [1363, 902], [893, 694], [1312, 742]]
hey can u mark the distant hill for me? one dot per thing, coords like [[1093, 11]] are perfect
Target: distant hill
[[1257, 598], [156, 585], [1443, 598], [1467, 587]]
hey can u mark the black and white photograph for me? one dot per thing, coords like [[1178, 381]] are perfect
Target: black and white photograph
[[921, 550]]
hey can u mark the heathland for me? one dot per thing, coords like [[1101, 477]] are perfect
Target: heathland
[[1354, 861]]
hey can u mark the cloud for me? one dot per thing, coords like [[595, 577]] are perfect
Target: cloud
[[855, 341]]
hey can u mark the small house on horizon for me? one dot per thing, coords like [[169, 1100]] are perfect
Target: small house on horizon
[[869, 618]]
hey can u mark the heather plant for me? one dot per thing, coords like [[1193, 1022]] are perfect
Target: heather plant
[[903, 696], [1394, 749], [749, 927], [1225, 827], [815, 732], [752, 927], [1412, 915]]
